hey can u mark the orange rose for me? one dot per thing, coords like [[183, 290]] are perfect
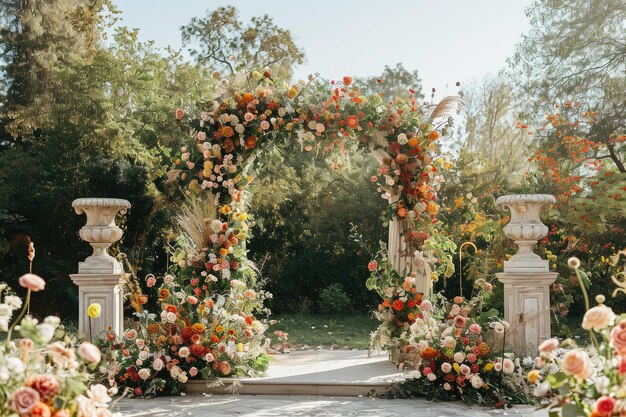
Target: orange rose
[[246, 98], [413, 142], [353, 121], [401, 158], [402, 212], [153, 328], [483, 348], [434, 135], [429, 353], [198, 328], [251, 142], [227, 131], [164, 293]]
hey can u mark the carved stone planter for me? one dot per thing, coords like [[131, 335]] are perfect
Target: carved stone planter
[[525, 228], [101, 232], [99, 277]]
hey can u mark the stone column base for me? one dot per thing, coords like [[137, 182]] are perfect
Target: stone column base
[[527, 309], [106, 290]]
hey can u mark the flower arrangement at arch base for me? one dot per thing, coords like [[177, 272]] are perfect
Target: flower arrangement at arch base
[[448, 350], [207, 327]]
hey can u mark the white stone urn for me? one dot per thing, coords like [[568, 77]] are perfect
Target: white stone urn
[[101, 232], [525, 228]]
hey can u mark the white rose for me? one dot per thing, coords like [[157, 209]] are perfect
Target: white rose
[[144, 373], [508, 366], [171, 317], [431, 377], [158, 364], [13, 301], [598, 318], [143, 355], [476, 381], [46, 332], [99, 395]]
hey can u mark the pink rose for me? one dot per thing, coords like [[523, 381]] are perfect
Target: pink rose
[[576, 363], [90, 353], [471, 358], [548, 345], [24, 399], [46, 385], [372, 266], [193, 371], [475, 328], [426, 371], [459, 321], [32, 282], [180, 113], [618, 337], [598, 318], [224, 368]]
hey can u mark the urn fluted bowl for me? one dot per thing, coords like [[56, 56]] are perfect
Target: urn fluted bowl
[[100, 230], [525, 224]]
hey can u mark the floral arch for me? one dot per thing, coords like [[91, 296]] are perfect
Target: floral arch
[[255, 111]]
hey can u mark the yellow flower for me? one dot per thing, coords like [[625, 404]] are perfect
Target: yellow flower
[[243, 217], [456, 367], [489, 367], [94, 310], [533, 376], [225, 209], [434, 276], [240, 347]]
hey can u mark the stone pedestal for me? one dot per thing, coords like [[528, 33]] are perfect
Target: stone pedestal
[[527, 309], [105, 290], [526, 276], [99, 277]]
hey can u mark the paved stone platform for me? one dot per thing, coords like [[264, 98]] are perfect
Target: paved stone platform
[[320, 372], [305, 406]]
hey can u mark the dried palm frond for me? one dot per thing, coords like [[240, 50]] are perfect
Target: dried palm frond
[[195, 220], [447, 107]]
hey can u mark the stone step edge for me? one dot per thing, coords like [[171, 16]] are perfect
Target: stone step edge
[[260, 387]]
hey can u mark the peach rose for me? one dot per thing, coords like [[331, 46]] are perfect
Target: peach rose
[[548, 345], [46, 385], [32, 282], [618, 337], [90, 353], [576, 363], [598, 318]]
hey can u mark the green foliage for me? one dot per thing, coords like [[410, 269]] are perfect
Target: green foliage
[[303, 211], [393, 82], [334, 300], [221, 41]]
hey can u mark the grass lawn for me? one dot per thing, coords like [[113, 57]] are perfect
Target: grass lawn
[[312, 331]]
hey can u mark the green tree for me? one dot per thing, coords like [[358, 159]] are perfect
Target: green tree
[[223, 42], [393, 82]]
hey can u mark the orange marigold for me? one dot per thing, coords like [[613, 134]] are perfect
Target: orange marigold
[[434, 135], [198, 327]]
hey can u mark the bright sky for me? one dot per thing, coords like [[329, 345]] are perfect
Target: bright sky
[[445, 40]]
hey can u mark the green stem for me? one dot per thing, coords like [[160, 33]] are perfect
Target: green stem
[[587, 306], [20, 317]]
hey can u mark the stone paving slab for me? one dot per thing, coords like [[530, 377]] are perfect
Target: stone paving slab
[[305, 406]]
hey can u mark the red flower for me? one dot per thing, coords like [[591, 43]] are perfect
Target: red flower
[[347, 80], [197, 350], [398, 305], [186, 333], [411, 303], [353, 121], [605, 405], [372, 266]]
